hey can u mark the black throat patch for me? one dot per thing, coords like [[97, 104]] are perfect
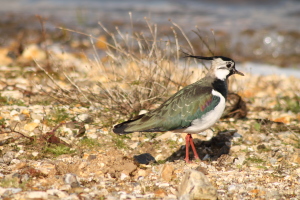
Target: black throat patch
[[220, 86]]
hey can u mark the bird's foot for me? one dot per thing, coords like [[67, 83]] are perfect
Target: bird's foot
[[196, 159]]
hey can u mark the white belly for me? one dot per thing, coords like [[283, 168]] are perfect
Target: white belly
[[209, 119]]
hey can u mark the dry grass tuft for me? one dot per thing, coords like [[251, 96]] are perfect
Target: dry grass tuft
[[136, 71], [129, 72]]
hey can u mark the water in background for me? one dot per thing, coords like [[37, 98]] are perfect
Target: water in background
[[229, 15], [264, 30]]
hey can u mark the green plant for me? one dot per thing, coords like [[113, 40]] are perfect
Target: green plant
[[57, 150], [9, 182], [12, 182], [255, 160], [2, 121], [288, 104], [172, 143], [89, 142], [10, 101], [58, 115], [120, 141], [257, 126]]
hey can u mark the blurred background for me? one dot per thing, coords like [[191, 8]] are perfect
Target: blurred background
[[260, 31]]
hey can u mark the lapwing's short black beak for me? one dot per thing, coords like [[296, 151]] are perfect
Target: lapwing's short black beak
[[237, 72]]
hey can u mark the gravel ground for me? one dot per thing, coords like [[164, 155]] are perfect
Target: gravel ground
[[54, 151]]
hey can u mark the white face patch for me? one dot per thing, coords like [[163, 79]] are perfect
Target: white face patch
[[221, 73], [220, 68]]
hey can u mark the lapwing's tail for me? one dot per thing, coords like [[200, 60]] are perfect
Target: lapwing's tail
[[121, 128]]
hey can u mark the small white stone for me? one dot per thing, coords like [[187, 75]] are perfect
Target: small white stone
[[82, 117], [235, 148], [71, 179], [143, 112], [159, 157], [163, 185], [180, 140], [15, 161], [123, 176], [11, 190], [37, 121], [134, 145], [66, 130], [35, 153], [250, 149], [298, 171], [30, 126], [65, 187], [37, 195], [36, 116], [195, 185], [231, 188], [123, 195], [165, 136], [16, 118], [14, 113], [12, 94], [73, 197], [56, 192]]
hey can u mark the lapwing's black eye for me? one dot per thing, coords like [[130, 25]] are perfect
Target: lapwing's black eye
[[228, 65]]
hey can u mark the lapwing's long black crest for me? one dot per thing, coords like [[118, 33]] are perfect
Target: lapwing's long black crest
[[207, 58]]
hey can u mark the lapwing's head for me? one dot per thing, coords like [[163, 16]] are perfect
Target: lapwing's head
[[222, 67]]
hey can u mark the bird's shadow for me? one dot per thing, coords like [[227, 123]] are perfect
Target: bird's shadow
[[207, 150]]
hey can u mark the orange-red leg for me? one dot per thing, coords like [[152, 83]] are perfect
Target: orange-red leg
[[194, 149], [187, 145], [189, 141]]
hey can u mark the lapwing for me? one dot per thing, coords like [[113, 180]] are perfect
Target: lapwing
[[192, 109]]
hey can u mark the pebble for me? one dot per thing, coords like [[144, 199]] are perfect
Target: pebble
[[30, 126], [71, 179], [167, 172], [58, 193], [144, 158], [47, 168], [231, 188], [135, 145], [15, 94], [9, 190], [195, 185], [22, 117], [7, 157], [83, 118], [236, 148], [84, 176], [35, 153], [37, 195], [65, 187], [14, 113], [123, 176], [167, 136], [37, 116], [15, 161]]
